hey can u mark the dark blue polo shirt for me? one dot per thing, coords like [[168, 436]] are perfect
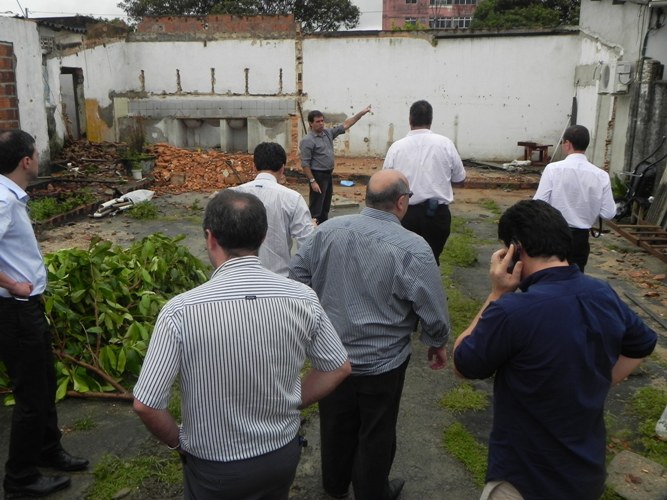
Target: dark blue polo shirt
[[552, 349]]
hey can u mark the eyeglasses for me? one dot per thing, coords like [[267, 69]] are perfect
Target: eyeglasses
[[408, 194]]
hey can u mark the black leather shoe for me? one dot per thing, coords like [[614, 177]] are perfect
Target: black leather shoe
[[61, 460], [394, 489], [40, 487]]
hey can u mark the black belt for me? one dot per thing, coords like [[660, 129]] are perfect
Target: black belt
[[32, 298]]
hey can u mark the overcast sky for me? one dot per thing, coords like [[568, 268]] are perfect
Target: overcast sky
[[371, 10]]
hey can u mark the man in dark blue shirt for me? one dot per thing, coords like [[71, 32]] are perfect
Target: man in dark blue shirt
[[555, 350]]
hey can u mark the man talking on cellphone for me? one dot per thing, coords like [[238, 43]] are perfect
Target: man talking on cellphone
[[555, 350]]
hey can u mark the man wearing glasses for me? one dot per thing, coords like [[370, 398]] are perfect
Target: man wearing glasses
[[389, 282]]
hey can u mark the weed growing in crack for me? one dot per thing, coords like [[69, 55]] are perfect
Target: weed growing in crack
[[464, 397], [467, 450], [84, 424]]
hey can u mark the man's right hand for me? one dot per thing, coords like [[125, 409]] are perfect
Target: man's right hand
[[315, 187], [21, 289], [503, 282]]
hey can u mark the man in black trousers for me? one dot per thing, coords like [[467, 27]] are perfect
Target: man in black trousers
[[25, 340]]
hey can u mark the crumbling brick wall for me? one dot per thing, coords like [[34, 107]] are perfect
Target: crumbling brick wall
[[9, 104], [221, 23]]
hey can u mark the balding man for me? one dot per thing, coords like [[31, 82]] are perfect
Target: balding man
[[389, 282]]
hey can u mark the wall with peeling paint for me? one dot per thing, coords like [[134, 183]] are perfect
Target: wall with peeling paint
[[488, 93], [30, 89], [485, 94]]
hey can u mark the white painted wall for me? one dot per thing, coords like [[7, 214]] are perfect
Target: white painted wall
[[117, 67], [487, 93], [29, 78], [620, 25]]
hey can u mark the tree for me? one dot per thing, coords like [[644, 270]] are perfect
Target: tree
[[314, 15], [506, 14]]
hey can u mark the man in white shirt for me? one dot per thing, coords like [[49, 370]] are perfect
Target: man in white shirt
[[431, 164], [287, 211], [579, 190]]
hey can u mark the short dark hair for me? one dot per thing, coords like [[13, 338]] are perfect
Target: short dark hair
[[314, 114], [15, 145], [384, 200], [540, 228], [421, 114], [269, 156], [237, 221], [578, 136]]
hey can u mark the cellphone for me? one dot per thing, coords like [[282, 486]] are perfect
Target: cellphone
[[516, 257]]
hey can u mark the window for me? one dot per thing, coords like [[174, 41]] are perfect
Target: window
[[461, 22], [440, 2], [411, 20], [410, 1], [440, 23]]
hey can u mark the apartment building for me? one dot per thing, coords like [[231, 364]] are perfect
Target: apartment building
[[434, 14]]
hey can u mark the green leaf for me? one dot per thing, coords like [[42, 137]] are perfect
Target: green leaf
[[62, 389]]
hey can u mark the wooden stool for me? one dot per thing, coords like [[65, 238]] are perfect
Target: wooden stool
[[542, 152]]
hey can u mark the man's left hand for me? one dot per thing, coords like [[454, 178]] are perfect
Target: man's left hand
[[437, 357]]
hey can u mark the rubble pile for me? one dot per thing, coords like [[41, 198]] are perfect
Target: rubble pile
[[181, 170], [88, 159]]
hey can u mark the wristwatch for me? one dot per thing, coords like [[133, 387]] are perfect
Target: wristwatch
[[311, 180]]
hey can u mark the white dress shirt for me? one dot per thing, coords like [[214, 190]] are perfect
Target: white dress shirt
[[578, 189], [430, 162], [288, 217], [20, 257]]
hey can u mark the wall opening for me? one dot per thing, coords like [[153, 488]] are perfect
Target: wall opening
[[73, 102]]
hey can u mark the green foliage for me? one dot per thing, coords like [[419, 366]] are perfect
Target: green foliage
[[491, 206], [323, 15], [618, 188], [509, 14], [417, 26], [102, 304], [45, 208], [465, 448], [115, 474], [143, 210], [464, 397], [648, 403], [459, 252], [84, 424]]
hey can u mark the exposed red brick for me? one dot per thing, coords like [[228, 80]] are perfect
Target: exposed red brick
[[6, 63], [218, 24], [7, 125], [7, 76], [7, 102], [9, 114], [7, 89], [6, 49]]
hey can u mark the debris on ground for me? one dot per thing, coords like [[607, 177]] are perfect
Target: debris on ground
[[90, 159], [180, 170], [125, 202]]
